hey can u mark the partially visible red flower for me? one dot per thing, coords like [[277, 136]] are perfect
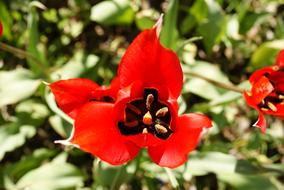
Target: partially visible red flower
[[267, 92], [1, 28], [72, 94], [145, 112]]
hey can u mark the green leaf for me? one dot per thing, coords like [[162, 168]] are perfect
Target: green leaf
[[216, 162], [265, 54], [230, 96], [252, 19], [39, 62], [213, 28], [72, 69], [201, 87], [13, 135], [169, 33], [144, 22], [199, 10], [55, 175], [111, 12], [6, 20], [16, 170], [31, 112], [61, 126], [240, 174], [251, 182], [106, 174], [16, 85]]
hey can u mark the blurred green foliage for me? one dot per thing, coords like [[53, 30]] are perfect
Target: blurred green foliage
[[79, 38]]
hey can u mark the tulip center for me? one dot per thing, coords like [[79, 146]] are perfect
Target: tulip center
[[147, 115], [270, 102]]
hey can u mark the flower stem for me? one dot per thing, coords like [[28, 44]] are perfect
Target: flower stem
[[115, 183], [24, 54], [18, 52], [214, 82], [172, 178]]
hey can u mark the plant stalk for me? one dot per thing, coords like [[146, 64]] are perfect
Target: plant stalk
[[214, 82]]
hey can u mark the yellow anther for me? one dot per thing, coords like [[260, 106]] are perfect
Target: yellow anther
[[149, 101], [281, 96], [272, 106], [162, 112], [161, 128], [147, 118]]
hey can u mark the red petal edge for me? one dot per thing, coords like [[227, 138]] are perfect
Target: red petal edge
[[147, 61], [261, 122], [71, 94], [174, 151], [1, 29], [95, 132], [280, 59], [261, 88]]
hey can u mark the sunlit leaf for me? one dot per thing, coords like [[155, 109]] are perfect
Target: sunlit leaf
[[169, 33], [38, 61], [213, 28], [13, 135], [265, 54], [54, 175], [118, 12], [16, 85]]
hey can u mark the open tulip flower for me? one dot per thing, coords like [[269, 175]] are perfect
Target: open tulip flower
[[267, 92], [144, 113], [1, 29]]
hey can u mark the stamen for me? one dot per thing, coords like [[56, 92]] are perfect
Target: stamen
[[264, 109], [161, 129], [147, 118], [149, 101], [272, 106], [145, 131], [131, 123], [281, 96], [262, 101], [162, 112], [133, 108], [249, 93]]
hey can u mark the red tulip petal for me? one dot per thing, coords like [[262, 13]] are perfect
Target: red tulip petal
[[71, 94], [280, 59], [147, 61], [259, 73], [185, 138], [97, 133], [1, 29], [261, 89], [249, 100], [261, 122], [277, 77]]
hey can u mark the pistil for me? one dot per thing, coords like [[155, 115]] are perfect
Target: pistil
[[147, 118]]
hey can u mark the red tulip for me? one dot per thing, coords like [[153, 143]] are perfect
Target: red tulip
[[267, 92], [72, 94], [1, 28], [145, 112]]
